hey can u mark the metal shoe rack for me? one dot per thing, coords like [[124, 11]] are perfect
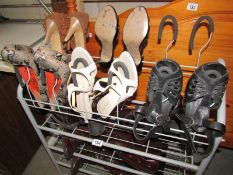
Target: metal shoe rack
[[173, 154]]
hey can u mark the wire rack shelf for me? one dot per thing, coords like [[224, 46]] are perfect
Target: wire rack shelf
[[171, 150]]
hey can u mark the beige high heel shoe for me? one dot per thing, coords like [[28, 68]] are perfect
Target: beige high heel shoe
[[106, 28], [56, 26], [135, 30], [78, 29]]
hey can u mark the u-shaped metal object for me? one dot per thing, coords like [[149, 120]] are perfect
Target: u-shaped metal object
[[175, 31], [195, 28], [175, 27]]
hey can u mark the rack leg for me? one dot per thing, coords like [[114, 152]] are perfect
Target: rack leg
[[207, 160], [34, 124], [221, 117]]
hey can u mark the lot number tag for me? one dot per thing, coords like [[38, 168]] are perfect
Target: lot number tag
[[192, 6], [97, 142]]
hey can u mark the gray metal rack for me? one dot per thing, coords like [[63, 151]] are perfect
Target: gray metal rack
[[176, 159]]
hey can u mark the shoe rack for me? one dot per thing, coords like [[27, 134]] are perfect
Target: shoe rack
[[173, 153], [99, 154], [176, 159]]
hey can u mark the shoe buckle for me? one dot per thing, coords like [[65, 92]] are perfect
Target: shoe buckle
[[191, 122], [159, 119], [156, 118]]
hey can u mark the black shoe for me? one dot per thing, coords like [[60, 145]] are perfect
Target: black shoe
[[204, 92], [163, 92]]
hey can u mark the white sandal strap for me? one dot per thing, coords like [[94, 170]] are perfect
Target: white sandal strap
[[125, 82], [83, 81]]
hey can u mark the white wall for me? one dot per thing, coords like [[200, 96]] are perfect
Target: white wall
[[91, 8], [23, 13]]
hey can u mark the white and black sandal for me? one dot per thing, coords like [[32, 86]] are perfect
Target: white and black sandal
[[122, 82], [83, 71]]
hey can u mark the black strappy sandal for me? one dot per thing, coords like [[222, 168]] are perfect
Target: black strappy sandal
[[204, 92], [163, 92]]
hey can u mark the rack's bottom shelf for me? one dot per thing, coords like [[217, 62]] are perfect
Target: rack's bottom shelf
[[105, 162]]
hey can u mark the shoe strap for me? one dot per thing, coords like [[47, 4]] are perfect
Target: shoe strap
[[18, 76], [213, 130], [162, 24], [71, 88], [114, 78], [60, 119], [196, 26], [140, 114], [125, 82], [86, 72], [98, 87]]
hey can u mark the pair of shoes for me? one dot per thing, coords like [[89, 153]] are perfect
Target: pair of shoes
[[86, 97], [60, 29], [145, 164], [45, 73], [30, 67], [204, 91], [134, 33]]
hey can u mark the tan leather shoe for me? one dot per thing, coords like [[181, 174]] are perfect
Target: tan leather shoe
[[78, 28], [57, 26], [140, 163]]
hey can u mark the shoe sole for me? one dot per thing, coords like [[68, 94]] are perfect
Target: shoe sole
[[106, 29], [169, 72], [135, 30], [216, 75]]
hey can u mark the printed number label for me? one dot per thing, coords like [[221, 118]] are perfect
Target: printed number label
[[97, 142], [192, 6]]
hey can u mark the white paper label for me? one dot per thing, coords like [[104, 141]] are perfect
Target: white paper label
[[97, 142], [192, 6]]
